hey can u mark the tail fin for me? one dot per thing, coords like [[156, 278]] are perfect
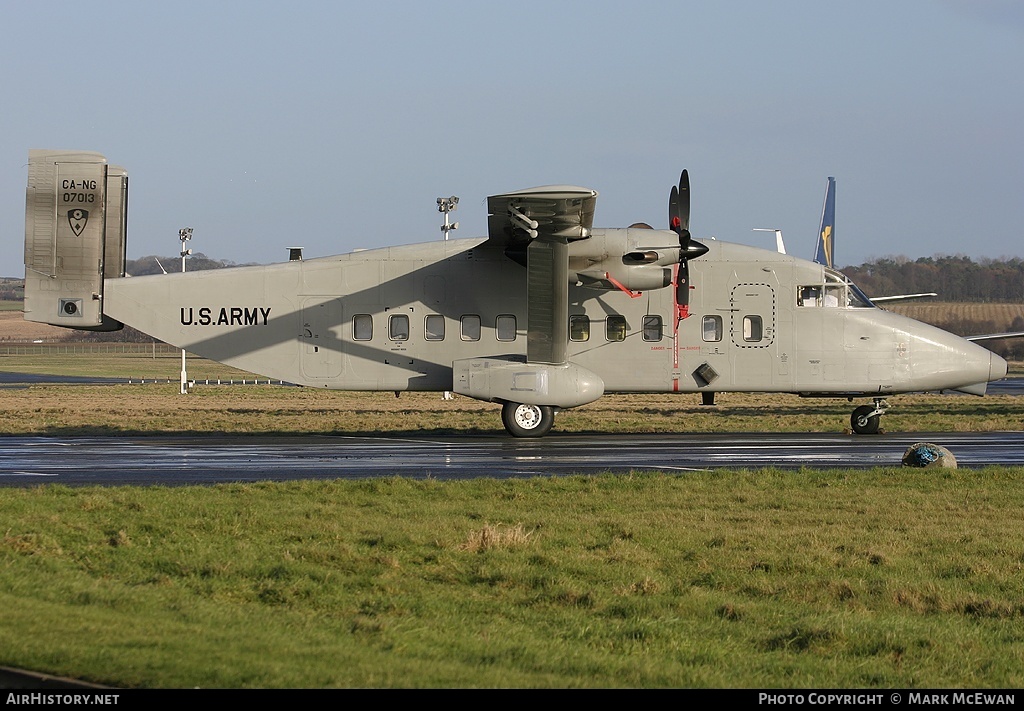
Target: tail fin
[[76, 217], [823, 252]]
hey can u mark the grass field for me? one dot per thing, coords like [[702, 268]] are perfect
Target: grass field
[[135, 409], [726, 579]]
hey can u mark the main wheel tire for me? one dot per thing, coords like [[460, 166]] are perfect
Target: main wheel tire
[[863, 422], [527, 420]]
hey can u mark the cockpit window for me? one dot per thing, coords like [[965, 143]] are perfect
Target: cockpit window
[[858, 299], [809, 296], [834, 296], [836, 291]]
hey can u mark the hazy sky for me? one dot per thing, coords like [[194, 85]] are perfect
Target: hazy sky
[[336, 125]]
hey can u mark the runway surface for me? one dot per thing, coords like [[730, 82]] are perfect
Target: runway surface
[[175, 461]]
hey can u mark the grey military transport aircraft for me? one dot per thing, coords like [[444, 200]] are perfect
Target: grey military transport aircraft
[[545, 313]]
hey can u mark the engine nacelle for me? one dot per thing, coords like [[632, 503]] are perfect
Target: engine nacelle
[[636, 278], [635, 259]]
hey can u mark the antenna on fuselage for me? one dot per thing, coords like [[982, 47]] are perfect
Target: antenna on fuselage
[[779, 244]]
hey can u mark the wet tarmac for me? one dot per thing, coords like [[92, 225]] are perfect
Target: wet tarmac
[[175, 460]]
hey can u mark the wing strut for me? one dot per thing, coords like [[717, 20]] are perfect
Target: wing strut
[[547, 291]]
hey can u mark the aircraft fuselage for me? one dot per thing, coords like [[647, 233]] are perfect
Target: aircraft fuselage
[[397, 318]]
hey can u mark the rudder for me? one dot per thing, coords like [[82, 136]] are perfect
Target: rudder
[[76, 214]]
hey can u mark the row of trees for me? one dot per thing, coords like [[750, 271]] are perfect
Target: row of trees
[[954, 278], [156, 265]]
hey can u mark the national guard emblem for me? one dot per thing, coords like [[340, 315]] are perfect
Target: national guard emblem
[[78, 218]]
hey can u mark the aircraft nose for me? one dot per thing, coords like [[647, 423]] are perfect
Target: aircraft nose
[[996, 368]]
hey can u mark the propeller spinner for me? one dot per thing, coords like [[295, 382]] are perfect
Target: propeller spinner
[[679, 222]]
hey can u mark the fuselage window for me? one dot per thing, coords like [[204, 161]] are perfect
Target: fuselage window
[[433, 327], [471, 327], [579, 328], [615, 329], [652, 328], [505, 325], [362, 327], [712, 328], [398, 327], [752, 329]]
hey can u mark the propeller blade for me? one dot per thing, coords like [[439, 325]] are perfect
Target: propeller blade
[[684, 201], [679, 211], [683, 286], [674, 219], [679, 222]]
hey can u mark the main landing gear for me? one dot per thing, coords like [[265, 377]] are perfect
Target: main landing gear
[[527, 420], [866, 418]]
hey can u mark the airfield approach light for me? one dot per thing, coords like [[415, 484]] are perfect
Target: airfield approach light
[[446, 205], [184, 234]]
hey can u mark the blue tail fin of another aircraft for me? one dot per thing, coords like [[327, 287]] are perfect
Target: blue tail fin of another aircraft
[[823, 253]]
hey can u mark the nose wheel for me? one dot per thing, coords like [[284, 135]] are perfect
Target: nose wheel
[[527, 420], [867, 418]]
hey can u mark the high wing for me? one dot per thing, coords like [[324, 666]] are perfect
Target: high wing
[[534, 227], [564, 211]]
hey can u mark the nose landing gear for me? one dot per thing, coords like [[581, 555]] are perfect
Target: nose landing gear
[[866, 418]]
